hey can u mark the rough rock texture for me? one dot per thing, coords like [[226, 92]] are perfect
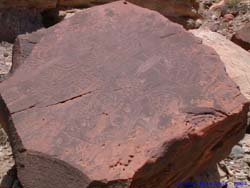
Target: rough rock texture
[[242, 37], [108, 100], [236, 59], [23, 47], [14, 22]]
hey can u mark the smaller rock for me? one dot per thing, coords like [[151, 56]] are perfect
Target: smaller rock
[[198, 23], [190, 23], [214, 17], [228, 17], [230, 185], [237, 152], [221, 172], [242, 37], [247, 160], [214, 27], [5, 54], [241, 176]]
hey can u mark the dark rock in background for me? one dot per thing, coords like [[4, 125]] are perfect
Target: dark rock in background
[[178, 11], [14, 22], [39, 4]]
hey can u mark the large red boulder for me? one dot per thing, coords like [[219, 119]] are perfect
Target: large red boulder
[[118, 96]]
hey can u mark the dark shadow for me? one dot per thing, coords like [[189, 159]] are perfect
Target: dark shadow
[[203, 179], [10, 180], [14, 22], [50, 17]]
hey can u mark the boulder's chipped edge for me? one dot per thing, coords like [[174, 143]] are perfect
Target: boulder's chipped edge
[[52, 172]]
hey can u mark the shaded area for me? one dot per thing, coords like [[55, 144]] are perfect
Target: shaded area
[[10, 180]]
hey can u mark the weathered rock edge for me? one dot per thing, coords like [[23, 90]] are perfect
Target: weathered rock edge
[[236, 59], [41, 170], [49, 172]]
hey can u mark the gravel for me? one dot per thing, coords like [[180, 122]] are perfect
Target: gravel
[[6, 158], [5, 57]]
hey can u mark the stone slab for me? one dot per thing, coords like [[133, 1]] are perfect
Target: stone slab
[[107, 100]]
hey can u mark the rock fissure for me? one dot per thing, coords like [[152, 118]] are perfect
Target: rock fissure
[[169, 35], [71, 99], [207, 111], [22, 110]]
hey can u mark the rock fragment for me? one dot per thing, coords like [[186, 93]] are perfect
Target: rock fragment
[[242, 37]]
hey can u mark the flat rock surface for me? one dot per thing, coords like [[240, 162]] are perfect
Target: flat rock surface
[[108, 100]]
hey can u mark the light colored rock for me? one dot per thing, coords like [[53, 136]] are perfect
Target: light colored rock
[[5, 58], [6, 159], [237, 152], [221, 172], [236, 59]]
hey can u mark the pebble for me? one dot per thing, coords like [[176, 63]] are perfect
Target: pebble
[[237, 152], [198, 23], [214, 17], [228, 17], [230, 185]]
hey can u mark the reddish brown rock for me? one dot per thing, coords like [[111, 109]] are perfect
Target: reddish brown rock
[[242, 37], [23, 47], [106, 100], [228, 17]]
